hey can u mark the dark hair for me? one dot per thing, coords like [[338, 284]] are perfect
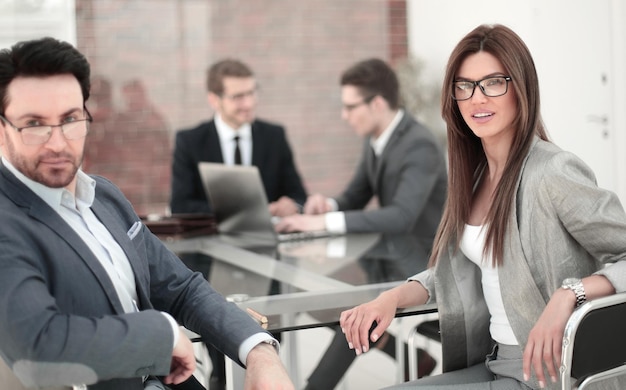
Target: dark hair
[[225, 68], [466, 157], [374, 77], [42, 57]]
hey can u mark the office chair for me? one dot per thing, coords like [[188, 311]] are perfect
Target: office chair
[[190, 384], [594, 343], [428, 329]]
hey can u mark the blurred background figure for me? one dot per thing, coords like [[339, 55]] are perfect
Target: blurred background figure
[[121, 142], [402, 167], [235, 136]]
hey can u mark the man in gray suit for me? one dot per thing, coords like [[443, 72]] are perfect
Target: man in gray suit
[[88, 295], [402, 165]]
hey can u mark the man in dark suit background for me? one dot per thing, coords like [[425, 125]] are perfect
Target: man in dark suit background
[[402, 165], [233, 136], [232, 93], [89, 295]]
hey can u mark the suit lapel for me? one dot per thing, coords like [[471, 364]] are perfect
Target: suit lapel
[[49, 217], [112, 224], [259, 145], [394, 140], [372, 163], [211, 148], [39, 210], [517, 272]]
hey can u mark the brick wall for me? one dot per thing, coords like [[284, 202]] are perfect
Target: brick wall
[[149, 59]]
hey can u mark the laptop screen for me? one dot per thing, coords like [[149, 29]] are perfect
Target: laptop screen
[[237, 199], [239, 203]]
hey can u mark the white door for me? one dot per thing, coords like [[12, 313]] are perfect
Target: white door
[[576, 82]]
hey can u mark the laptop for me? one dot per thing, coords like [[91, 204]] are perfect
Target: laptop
[[239, 203]]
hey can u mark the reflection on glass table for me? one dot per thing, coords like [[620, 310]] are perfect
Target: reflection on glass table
[[323, 307], [320, 277], [300, 276]]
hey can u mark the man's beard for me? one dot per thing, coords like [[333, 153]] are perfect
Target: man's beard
[[55, 178]]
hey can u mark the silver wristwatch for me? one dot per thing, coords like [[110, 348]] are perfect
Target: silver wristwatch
[[576, 285], [273, 343]]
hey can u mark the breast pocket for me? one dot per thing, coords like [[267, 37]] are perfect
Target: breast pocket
[[139, 259]]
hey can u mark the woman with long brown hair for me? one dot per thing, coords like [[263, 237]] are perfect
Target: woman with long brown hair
[[525, 234]]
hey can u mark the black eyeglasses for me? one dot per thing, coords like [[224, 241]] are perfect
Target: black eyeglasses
[[40, 134], [490, 86], [239, 97], [350, 107]]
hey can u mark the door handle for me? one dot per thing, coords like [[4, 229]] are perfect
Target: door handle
[[601, 119]]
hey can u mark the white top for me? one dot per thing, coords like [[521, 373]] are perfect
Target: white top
[[472, 244]]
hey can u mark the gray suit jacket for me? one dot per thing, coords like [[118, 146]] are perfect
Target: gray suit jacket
[[562, 226], [61, 321], [409, 179]]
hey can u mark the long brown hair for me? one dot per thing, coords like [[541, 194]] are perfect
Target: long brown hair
[[466, 156]]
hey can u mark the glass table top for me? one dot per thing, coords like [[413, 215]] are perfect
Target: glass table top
[[321, 276]]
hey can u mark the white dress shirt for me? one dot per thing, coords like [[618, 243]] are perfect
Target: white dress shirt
[[227, 141]]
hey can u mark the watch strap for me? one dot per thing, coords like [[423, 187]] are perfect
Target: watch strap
[[578, 289]]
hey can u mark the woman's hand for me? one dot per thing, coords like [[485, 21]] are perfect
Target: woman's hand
[[357, 322], [546, 337]]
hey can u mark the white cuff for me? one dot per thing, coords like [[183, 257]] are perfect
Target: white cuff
[[174, 325], [335, 222], [253, 341]]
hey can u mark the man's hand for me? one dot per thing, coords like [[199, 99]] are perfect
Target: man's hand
[[265, 371], [183, 361], [316, 204], [283, 207], [301, 223]]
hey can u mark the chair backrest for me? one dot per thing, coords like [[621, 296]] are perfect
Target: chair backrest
[[190, 384], [594, 342]]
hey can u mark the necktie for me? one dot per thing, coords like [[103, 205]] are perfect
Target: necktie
[[374, 160], [237, 151]]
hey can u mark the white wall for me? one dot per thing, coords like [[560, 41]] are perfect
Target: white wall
[[436, 26], [619, 102], [22, 20]]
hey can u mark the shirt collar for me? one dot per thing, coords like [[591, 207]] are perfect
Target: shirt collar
[[55, 197], [379, 143], [226, 132]]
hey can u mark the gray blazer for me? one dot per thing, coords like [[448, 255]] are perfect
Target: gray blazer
[[409, 179], [61, 321], [562, 226]]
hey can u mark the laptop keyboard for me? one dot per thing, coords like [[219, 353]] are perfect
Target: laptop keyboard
[[282, 237]]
